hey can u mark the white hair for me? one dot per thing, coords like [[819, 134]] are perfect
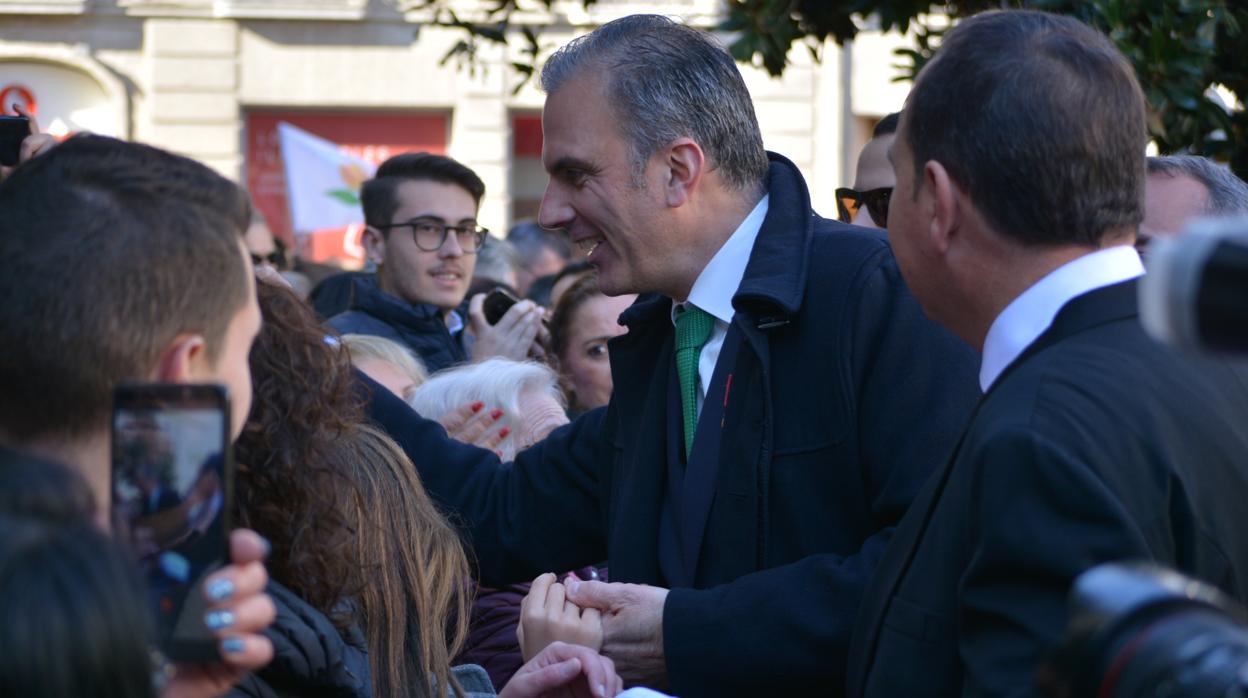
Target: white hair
[[495, 382]]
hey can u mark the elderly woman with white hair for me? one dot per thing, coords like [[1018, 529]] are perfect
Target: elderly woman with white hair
[[527, 393], [532, 405]]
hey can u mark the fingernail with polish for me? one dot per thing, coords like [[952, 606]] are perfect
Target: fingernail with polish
[[476, 407], [218, 620], [496, 415], [219, 590], [502, 433], [233, 645]]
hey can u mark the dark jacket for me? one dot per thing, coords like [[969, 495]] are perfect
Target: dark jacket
[[1097, 444], [844, 398], [310, 657], [422, 328]]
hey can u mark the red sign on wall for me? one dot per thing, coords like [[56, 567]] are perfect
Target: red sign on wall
[[369, 136]]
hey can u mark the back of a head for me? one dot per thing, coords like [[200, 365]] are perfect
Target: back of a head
[[1228, 194], [76, 620], [112, 250], [378, 195], [529, 240], [1041, 120], [666, 81], [415, 607], [887, 125], [496, 260]]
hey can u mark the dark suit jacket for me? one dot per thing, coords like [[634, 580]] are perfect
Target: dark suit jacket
[[1097, 444], [844, 399]]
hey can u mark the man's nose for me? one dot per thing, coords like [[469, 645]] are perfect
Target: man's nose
[[450, 246], [556, 209]]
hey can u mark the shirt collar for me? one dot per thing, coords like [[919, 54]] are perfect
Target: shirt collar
[[718, 283], [454, 322], [1030, 314]]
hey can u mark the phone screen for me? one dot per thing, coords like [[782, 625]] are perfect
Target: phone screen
[[171, 478]]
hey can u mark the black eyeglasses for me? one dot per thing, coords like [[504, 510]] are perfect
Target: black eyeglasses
[[429, 234], [849, 201]]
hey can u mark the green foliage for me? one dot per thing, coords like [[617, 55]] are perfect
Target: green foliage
[[1179, 48]]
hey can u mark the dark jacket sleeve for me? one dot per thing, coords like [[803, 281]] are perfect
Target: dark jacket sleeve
[[542, 513], [914, 387]]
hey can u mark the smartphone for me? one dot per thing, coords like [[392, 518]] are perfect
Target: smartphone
[[496, 305], [172, 481], [13, 130]]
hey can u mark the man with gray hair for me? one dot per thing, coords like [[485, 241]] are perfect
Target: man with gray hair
[[1182, 187], [779, 397]]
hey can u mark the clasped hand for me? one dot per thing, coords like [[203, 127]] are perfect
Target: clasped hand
[[622, 621]]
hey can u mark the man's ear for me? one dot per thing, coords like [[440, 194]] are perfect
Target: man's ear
[[946, 202], [374, 245], [182, 361], [686, 163]]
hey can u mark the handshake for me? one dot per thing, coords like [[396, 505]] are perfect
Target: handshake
[[622, 622]]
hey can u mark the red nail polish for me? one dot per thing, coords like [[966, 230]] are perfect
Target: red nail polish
[[497, 414], [476, 407], [502, 433]]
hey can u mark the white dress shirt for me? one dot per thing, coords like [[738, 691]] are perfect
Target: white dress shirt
[[716, 285], [1028, 316]]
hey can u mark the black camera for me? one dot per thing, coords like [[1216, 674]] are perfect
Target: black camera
[[1195, 294], [1139, 630]]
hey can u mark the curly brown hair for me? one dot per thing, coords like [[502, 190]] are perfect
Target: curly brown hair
[[287, 488]]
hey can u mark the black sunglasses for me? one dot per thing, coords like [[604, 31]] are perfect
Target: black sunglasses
[[849, 201], [276, 259]]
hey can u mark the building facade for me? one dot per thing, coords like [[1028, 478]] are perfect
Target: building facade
[[212, 78]]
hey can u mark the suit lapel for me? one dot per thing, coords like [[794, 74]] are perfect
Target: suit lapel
[[639, 367]]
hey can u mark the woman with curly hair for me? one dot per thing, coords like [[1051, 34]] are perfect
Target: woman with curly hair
[[291, 490], [370, 580]]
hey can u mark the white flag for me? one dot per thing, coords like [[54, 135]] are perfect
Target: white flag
[[322, 182]]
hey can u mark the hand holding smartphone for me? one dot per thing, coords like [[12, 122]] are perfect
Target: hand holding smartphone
[[496, 305], [172, 480]]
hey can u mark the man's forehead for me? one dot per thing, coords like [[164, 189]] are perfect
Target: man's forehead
[[573, 117], [433, 199]]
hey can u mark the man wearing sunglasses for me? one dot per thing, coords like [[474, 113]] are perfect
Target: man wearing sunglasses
[[422, 233], [866, 204]]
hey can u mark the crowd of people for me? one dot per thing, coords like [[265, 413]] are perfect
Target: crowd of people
[[679, 434]]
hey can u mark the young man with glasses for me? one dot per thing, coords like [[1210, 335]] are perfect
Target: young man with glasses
[[422, 233], [866, 204]]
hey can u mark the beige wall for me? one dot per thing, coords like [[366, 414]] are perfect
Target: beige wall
[[181, 76]]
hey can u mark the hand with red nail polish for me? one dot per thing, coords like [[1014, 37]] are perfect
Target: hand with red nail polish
[[474, 424]]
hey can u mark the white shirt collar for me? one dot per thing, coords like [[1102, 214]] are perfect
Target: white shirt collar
[[718, 283], [454, 322], [1030, 314]]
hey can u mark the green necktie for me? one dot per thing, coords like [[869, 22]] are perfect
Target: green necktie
[[693, 328]]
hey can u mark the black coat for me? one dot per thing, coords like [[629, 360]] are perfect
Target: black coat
[[1097, 444], [845, 398], [422, 327], [310, 657]]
